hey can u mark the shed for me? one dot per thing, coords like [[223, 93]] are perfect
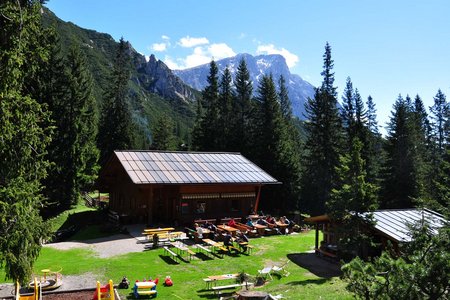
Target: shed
[[164, 186], [388, 225]]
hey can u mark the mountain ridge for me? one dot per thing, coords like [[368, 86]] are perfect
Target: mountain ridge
[[275, 64]]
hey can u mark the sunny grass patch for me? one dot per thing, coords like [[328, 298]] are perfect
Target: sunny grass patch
[[187, 276]]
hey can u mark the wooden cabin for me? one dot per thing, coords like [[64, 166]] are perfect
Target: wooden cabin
[[179, 187], [390, 225]]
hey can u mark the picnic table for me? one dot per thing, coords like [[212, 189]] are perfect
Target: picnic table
[[260, 228], [156, 230], [229, 229], [212, 280], [215, 246], [182, 248]]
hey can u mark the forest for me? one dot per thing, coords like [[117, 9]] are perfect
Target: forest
[[58, 129]]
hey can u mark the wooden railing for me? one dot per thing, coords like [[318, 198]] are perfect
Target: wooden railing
[[89, 201]]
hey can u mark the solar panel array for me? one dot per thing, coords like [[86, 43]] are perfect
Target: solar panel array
[[147, 167], [395, 223]]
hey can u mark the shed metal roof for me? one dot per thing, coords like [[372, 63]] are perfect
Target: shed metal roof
[[160, 167], [396, 223]]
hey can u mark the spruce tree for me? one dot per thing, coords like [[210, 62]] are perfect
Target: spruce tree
[[210, 120], [348, 110], [76, 131], [243, 108], [163, 137], [375, 154], [323, 142], [285, 102], [116, 123], [226, 115], [276, 151], [24, 137], [352, 198], [403, 178], [439, 116]]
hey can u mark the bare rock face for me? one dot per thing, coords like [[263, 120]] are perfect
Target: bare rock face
[[157, 78]]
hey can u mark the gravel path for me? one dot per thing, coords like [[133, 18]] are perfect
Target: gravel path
[[103, 247]]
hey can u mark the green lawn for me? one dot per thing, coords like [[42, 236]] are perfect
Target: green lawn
[[187, 276]]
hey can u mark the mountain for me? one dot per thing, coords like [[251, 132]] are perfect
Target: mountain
[[275, 64], [154, 89]]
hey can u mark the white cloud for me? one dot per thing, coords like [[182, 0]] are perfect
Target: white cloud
[[159, 47], [189, 42], [219, 51], [173, 65], [200, 55], [165, 37], [291, 59]]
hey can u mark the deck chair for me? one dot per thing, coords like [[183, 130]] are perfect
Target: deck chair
[[281, 270]]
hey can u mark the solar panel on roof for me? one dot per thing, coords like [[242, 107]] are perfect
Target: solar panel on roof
[[127, 155], [133, 176], [126, 166], [120, 155], [134, 156], [133, 165]]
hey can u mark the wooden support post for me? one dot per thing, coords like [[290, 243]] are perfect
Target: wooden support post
[[257, 199], [317, 235]]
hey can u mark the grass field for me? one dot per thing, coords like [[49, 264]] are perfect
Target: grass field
[[187, 276]]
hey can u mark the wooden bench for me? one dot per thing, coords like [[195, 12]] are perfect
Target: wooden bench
[[171, 253], [230, 286], [200, 247]]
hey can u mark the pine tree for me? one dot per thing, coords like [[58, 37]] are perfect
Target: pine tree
[[348, 109], [210, 120], [285, 102], [352, 198], [24, 136], [276, 151], [226, 115], [76, 131], [163, 137], [439, 116], [323, 142], [197, 133], [403, 180], [375, 153], [116, 124], [243, 108]]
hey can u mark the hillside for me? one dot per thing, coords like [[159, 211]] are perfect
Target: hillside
[[154, 89]]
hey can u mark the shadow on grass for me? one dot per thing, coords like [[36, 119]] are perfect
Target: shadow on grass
[[309, 281], [316, 265], [203, 256], [168, 260]]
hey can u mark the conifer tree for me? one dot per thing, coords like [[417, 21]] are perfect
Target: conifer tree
[[348, 109], [439, 116], [226, 115], [285, 102], [352, 197], [210, 120], [24, 136], [403, 180], [323, 142], [197, 133], [76, 131], [243, 108], [375, 154], [163, 137], [116, 123], [276, 151]]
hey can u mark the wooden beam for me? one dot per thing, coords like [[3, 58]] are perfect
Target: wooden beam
[[258, 195]]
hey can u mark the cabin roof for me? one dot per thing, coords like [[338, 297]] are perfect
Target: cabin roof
[[396, 223], [163, 167]]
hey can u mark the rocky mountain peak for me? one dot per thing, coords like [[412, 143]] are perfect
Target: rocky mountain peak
[[275, 64]]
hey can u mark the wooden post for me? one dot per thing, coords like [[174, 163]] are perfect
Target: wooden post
[[257, 199], [317, 235]]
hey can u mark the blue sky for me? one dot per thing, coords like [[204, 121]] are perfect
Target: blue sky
[[386, 47]]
